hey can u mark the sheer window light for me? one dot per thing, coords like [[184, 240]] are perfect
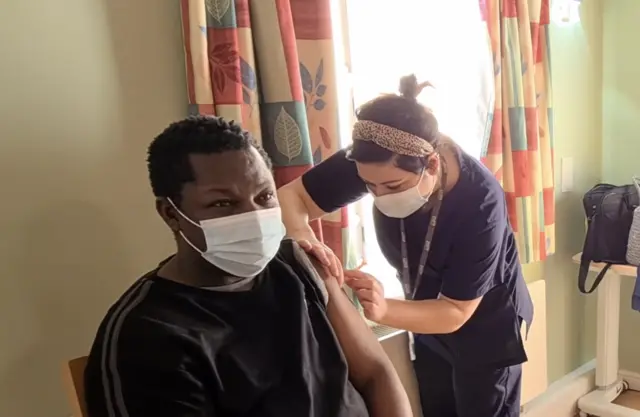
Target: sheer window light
[[443, 42]]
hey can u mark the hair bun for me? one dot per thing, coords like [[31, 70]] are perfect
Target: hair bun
[[410, 87]]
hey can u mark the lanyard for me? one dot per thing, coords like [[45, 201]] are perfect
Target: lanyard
[[427, 242]]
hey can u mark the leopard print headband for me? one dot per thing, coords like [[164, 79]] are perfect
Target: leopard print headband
[[391, 139]]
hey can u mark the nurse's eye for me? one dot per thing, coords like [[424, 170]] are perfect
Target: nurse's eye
[[393, 187]]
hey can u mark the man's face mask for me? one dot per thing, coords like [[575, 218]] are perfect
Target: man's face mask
[[243, 244]]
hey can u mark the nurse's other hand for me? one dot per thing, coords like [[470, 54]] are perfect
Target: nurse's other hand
[[369, 292], [325, 256]]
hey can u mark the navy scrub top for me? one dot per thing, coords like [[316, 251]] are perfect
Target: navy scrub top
[[473, 254]]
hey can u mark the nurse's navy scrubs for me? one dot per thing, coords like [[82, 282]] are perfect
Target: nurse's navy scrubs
[[477, 370]]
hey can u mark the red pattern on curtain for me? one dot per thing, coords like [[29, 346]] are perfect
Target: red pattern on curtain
[[520, 147]]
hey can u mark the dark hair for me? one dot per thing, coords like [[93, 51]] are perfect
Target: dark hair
[[402, 112], [168, 154]]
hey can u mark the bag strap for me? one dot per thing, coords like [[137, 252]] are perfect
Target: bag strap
[[584, 272], [585, 262]]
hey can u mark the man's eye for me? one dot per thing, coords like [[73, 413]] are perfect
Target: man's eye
[[221, 203], [268, 196]]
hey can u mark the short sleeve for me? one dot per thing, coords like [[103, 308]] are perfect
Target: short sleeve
[[145, 372], [473, 260], [298, 259], [334, 183]]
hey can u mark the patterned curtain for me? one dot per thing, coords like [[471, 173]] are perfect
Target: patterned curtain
[[520, 146], [269, 64]]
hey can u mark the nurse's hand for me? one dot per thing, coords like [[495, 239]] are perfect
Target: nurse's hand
[[369, 292], [325, 256]]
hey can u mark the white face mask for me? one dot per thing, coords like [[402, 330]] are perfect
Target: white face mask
[[402, 204], [243, 244]]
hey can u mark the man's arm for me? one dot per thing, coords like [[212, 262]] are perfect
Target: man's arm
[[370, 370]]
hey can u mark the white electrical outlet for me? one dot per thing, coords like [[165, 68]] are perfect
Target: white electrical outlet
[[566, 174]]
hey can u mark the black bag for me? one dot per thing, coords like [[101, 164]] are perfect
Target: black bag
[[609, 209]]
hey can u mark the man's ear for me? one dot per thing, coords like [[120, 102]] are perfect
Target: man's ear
[[168, 213]]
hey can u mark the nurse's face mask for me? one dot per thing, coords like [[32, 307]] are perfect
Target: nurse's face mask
[[403, 203], [396, 192], [242, 244]]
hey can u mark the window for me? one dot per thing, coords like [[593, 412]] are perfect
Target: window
[[444, 42]]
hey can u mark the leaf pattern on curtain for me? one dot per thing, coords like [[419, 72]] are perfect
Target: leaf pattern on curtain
[[287, 136]]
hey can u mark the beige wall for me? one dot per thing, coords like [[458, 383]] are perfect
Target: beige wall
[[85, 84], [576, 56], [597, 108], [621, 136]]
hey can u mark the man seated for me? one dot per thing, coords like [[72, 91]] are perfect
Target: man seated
[[238, 322]]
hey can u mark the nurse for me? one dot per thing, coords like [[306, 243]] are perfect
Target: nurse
[[441, 221]]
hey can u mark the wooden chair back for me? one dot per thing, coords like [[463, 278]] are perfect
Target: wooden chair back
[[74, 381]]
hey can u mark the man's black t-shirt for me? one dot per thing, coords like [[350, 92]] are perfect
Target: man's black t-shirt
[[167, 349]]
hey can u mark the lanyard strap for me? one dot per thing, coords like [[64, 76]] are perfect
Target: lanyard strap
[[427, 242]]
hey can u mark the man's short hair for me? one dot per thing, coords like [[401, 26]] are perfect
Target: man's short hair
[[168, 154]]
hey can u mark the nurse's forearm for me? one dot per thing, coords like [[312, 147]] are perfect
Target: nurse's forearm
[[295, 211], [424, 316]]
